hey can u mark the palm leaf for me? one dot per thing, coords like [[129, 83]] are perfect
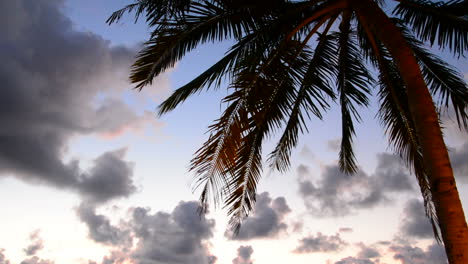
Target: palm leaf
[[352, 81], [310, 98], [444, 22], [444, 82], [396, 118]]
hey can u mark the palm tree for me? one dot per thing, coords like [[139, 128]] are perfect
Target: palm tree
[[280, 76]]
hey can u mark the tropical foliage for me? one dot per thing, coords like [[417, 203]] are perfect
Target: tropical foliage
[[291, 61]]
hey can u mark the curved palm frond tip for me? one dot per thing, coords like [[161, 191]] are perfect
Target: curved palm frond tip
[[290, 61]]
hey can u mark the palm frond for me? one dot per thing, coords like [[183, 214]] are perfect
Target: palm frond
[[352, 82], [396, 118], [444, 23], [154, 10], [444, 82], [214, 74], [266, 93], [310, 98], [173, 40]]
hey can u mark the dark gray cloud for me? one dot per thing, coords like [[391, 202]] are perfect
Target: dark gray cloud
[[110, 177], [3, 259], [179, 237], [337, 194], [459, 158], [266, 221], [414, 221], [36, 244], [353, 260], [244, 254], [36, 260], [320, 243], [100, 228], [58, 83], [406, 254]]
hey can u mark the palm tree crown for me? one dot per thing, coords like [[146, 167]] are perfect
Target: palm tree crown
[[290, 61]]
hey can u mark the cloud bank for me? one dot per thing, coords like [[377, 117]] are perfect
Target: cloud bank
[[58, 83]]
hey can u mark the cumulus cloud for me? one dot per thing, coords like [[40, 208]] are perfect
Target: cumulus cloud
[[100, 228], [58, 83], [267, 220], [244, 254], [110, 177], [414, 221], [36, 244], [337, 194], [406, 254], [320, 243], [179, 237], [367, 252]]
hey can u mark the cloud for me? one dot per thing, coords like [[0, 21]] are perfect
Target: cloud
[[58, 83], [244, 254], [406, 254], [320, 243], [179, 237], [302, 170], [334, 144], [3, 259], [36, 244], [415, 223], [100, 228], [110, 177], [368, 252], [366, 255], [36, 260], [266, 221], [31, 260], [458, 160], [345, 230], [336, 194], [306, 152], [353, 260]]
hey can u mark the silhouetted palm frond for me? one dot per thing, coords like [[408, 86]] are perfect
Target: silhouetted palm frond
[[279, 76], [353, 83], [445, 82], [444, 23]]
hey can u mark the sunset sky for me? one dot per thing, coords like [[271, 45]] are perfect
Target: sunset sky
[[90, 174]]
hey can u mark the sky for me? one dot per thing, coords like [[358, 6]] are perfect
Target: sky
[[90, 174]]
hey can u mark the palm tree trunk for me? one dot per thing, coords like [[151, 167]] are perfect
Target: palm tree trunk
[[444, 191]]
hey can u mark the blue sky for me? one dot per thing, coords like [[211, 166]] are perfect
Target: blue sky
[[90, 174]]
